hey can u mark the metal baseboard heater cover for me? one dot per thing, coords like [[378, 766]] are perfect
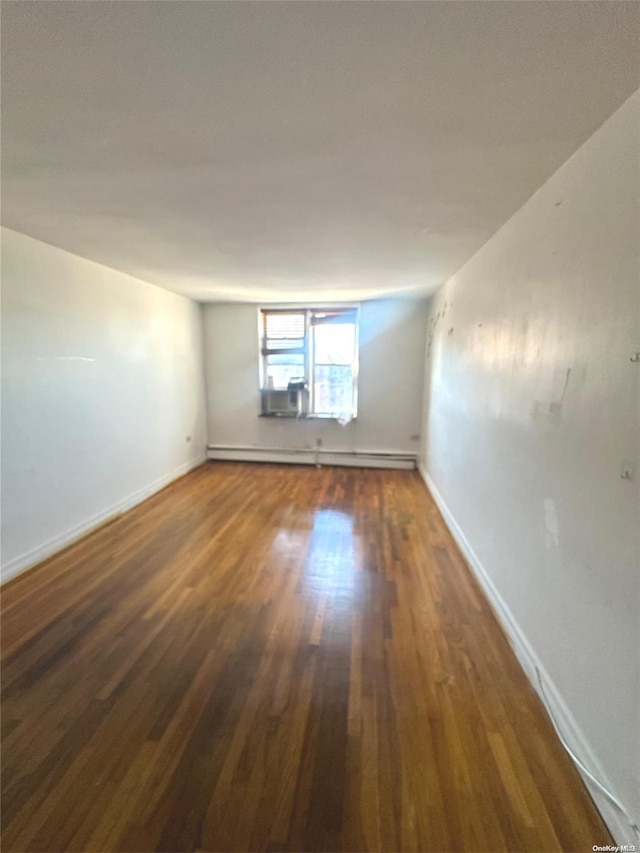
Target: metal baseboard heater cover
[[321, 456]]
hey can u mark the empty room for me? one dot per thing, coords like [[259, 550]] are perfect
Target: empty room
[[320, 426]]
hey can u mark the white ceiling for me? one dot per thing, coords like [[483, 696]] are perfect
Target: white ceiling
[[287, 150]]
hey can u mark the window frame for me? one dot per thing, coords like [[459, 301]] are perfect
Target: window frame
[[307, 349]]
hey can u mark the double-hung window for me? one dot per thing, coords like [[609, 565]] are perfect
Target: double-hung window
[[317, 346]]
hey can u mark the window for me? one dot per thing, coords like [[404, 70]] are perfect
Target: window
[[316, 346]]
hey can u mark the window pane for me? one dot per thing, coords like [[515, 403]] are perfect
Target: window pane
[[334, 344], [284, 326], [333, 389], [339, 315], [285, 344], [281, 368]]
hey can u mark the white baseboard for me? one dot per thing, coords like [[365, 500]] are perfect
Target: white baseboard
[[406, 461], [618, 824], [47, 549]]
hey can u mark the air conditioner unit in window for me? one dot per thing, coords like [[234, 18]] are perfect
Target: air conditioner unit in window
[[286, 402]]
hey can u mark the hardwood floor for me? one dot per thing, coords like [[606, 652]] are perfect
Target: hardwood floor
[[269, 657]]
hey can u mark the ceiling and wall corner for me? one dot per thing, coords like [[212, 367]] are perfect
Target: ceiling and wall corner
[[258, 151]]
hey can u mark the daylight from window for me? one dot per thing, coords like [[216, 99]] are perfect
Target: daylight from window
[[317, 348], [333, 358]]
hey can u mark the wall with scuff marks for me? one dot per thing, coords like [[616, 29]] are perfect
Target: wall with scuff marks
[[102, 395], [530, 420]]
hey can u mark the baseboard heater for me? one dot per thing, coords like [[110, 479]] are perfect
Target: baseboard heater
[[321, 456]]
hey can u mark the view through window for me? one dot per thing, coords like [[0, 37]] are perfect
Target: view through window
[[318, 347]]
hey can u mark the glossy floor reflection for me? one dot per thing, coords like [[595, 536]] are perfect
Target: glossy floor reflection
[[272, 658]]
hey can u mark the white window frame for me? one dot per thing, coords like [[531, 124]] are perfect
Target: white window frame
[[309, 362]]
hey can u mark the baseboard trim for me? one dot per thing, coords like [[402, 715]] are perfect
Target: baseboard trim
[[618, 825], [405, 461], [30, 559]]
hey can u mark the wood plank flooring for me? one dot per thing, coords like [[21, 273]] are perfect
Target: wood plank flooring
[[267, 657]]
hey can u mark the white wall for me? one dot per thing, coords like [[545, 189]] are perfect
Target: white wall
[[392, 340], [102, 382], [531, 412]]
